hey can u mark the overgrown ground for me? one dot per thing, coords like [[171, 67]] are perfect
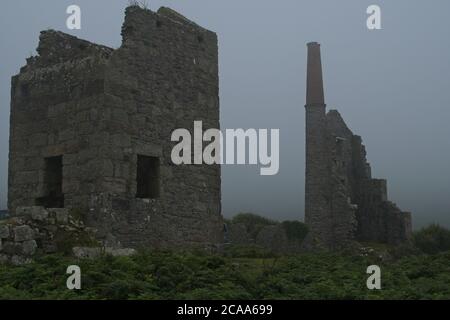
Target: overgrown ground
[[241, 273]]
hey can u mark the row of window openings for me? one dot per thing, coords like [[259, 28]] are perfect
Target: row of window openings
[[147, 180]]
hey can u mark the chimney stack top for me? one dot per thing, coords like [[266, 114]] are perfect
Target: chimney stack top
[[314, 82]]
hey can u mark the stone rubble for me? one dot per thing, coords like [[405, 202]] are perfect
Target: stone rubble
[[35, 230]]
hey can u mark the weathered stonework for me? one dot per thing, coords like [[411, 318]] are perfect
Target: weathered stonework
[[92, 111], [343, 203], [35, 230]]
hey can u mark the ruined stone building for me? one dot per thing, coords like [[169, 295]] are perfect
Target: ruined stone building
[[91, 128], [342, 201], [91, 131]]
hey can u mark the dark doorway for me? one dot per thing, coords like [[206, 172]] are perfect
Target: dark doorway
[[53, 179], [147, 177]]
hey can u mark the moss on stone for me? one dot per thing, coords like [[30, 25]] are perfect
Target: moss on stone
[[65, 241]]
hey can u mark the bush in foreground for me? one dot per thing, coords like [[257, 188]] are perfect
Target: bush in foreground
[[175, 275]]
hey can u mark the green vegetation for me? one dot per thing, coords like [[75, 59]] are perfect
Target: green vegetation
[[144, 4], [78, 214], [432, 239], [252, 222], [65, 241], [243, 272], [260, 275], [252, 219], [295, 230]]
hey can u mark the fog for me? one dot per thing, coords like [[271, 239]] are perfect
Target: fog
[[390, 85]]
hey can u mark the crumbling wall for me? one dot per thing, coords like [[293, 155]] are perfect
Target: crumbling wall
[[343, 219], [35, 230], [56, 110], [361, 210], [381, 220]]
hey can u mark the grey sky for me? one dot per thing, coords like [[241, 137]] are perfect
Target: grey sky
[[390, 85]]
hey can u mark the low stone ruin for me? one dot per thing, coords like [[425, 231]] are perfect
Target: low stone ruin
[[33, 231]]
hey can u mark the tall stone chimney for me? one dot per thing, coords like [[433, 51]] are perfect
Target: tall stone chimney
[[314, 81], [317, 184]]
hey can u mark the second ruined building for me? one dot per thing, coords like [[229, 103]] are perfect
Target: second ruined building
[[343, 203]]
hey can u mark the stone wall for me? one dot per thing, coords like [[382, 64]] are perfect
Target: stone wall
[[371, 217], [99, 109], [57, 109], [35, 230], [317, 170], [164, 77]]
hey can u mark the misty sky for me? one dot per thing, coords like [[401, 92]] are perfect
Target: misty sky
[[390, 85]]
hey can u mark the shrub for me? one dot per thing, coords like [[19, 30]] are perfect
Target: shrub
[[252, 222], [252, 219], [432, 239], [175, 275], [295, 230], [248, 251], [142, 4]]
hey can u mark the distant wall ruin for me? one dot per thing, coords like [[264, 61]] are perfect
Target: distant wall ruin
[[343, 203]]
